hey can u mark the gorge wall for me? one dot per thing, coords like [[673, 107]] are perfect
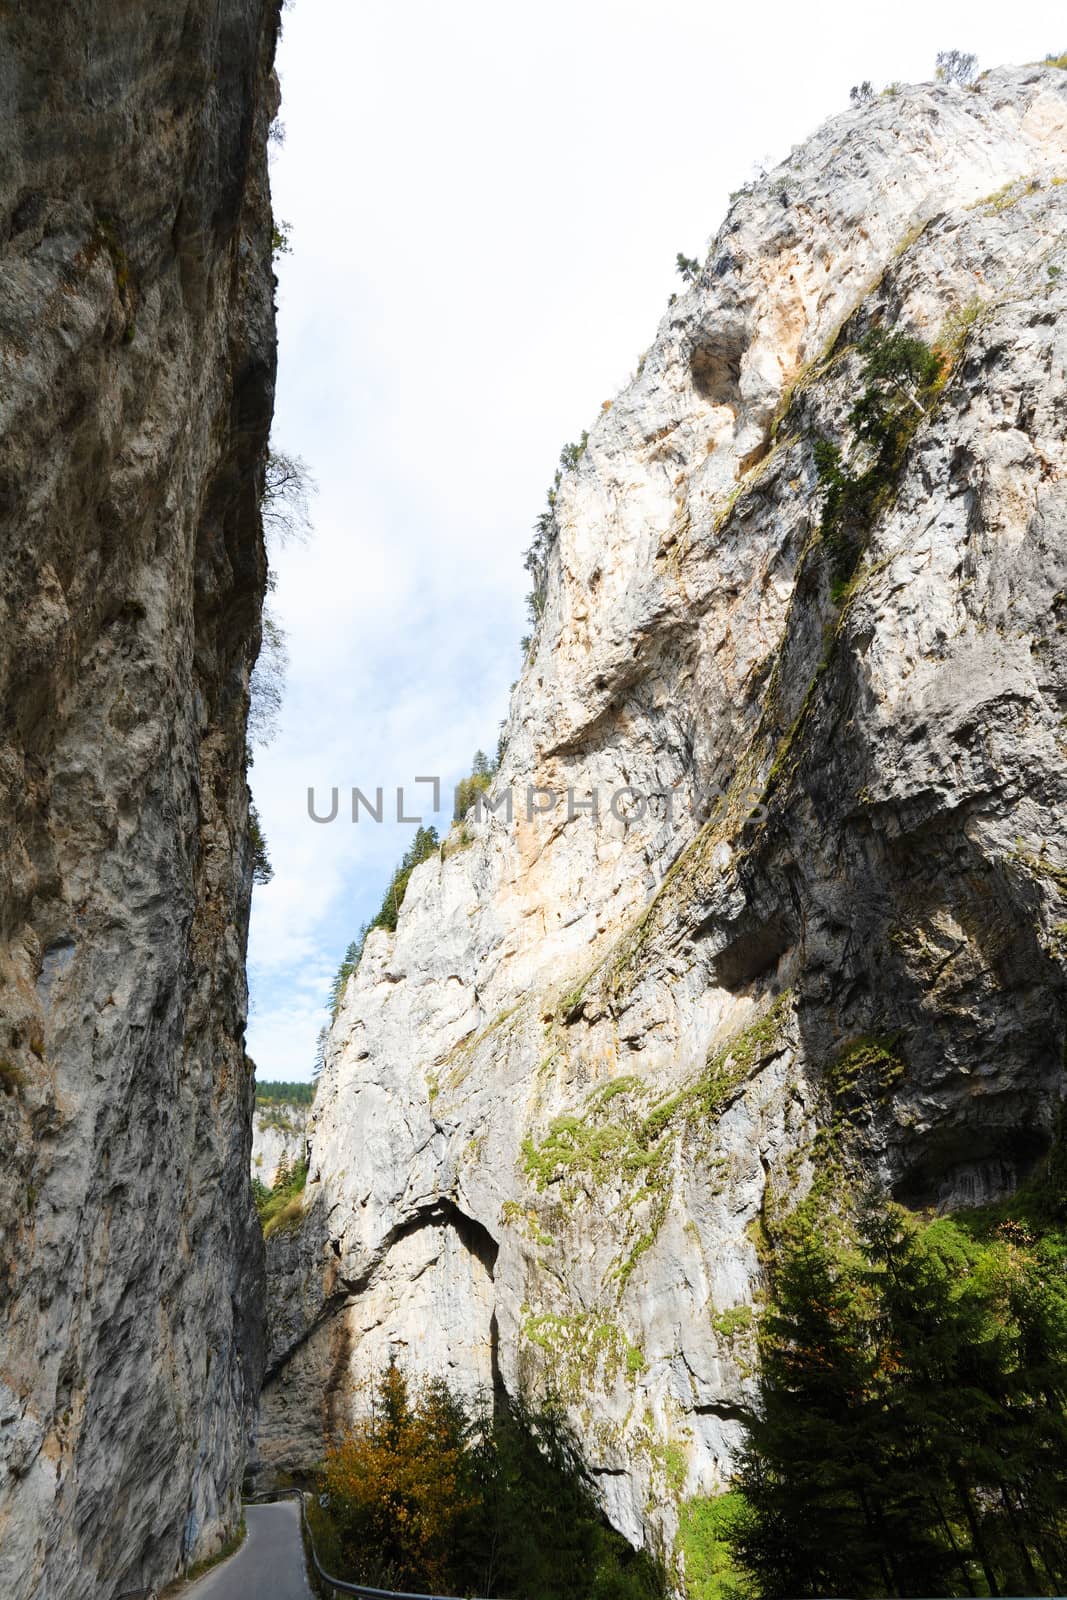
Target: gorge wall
[[137, 358], [562, 1104]]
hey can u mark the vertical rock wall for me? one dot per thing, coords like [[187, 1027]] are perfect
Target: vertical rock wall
[[136, 379], [614, 1052]]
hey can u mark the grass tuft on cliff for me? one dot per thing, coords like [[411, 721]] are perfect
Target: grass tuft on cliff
[[902, 378], [281, 1209]]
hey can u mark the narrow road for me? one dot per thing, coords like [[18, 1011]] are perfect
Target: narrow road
[[268, 1566]]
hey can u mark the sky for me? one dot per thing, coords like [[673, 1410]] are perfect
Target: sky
[[485, 202]]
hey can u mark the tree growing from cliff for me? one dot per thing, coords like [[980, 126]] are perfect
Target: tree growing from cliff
[[281, 1206], [956, 66], [425, 844], [546, 532], [285, 504], [349, 963], [571, 454], [896, 369], [262, 871], [901, 378], [468, 789], [266, 689], [422, 847], [321, 1041]]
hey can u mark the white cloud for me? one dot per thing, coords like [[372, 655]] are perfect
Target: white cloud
[[486, 204]]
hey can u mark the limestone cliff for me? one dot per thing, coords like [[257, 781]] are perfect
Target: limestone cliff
[[561, 1102], [137, 359]]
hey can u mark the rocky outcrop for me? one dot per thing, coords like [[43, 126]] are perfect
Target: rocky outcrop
[[819, 925], [432, 1307], [137, 359]]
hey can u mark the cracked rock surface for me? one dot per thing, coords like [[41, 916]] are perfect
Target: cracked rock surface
[[562, 1100], [136, 385]]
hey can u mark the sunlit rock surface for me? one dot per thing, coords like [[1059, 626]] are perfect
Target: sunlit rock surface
[[599, 1055]]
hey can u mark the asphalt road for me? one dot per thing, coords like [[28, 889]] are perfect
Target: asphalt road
[[268, 1566]]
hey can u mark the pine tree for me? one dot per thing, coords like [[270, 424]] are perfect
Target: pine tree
[[913, 1431], [468, 789], [424, 845], [345, 971], [262, 871], [320, 1051], [812, 1527]]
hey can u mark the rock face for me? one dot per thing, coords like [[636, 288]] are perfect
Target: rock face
[[137, 359], [278, 1129], [563, 1101]]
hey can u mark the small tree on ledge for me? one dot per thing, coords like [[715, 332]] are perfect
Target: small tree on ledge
[[956, 66]]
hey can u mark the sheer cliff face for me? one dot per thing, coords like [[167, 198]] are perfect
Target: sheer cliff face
[[137, 360], [562, 1102]]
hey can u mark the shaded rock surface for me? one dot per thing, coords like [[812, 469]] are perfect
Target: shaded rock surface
[[601, 1055], [432, 1309], [136, 383]]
